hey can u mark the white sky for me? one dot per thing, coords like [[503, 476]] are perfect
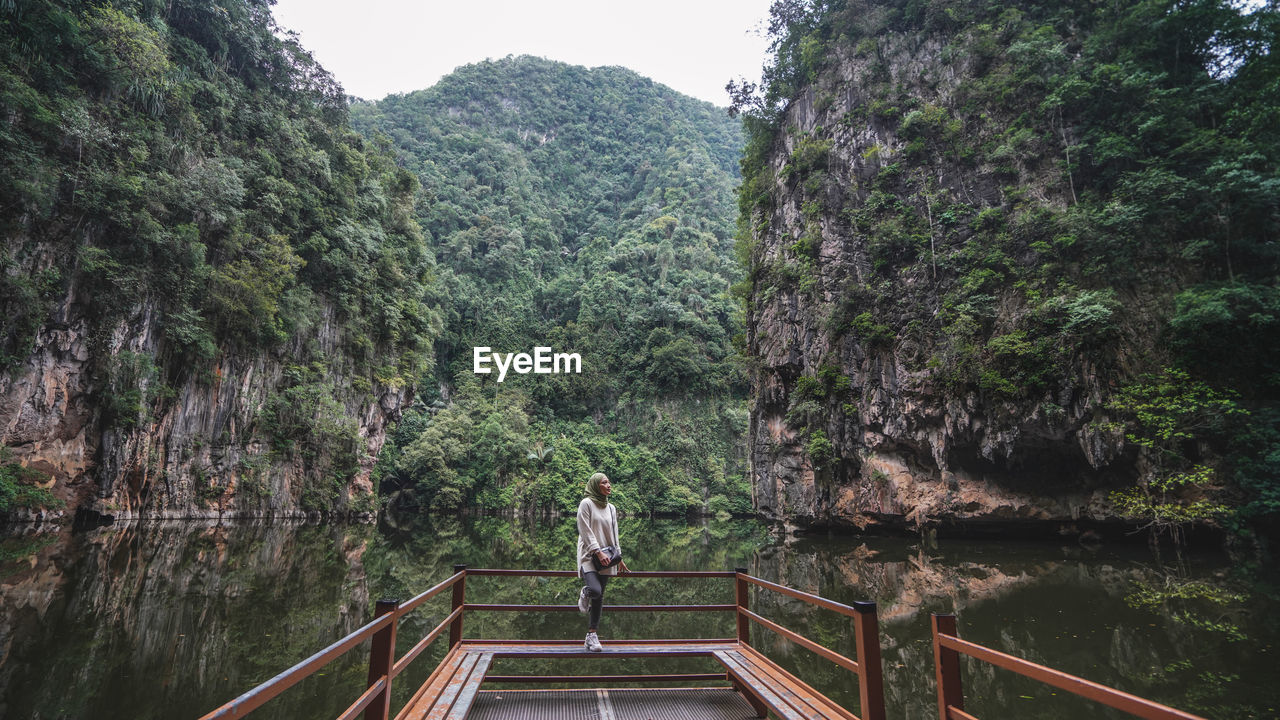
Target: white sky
[[378, 47]]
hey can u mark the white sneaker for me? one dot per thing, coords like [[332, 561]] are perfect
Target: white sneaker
[[584, 602], [592, 643]]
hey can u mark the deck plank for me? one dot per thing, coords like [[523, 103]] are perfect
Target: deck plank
[[738, 668], [453, 686], [796, 684], [429, 693], [754, 679], [467, 695]]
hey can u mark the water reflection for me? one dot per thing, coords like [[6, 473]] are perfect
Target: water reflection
[[1067, 607], [169, 621]]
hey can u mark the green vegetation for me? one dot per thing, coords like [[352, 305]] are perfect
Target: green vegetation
[[302, 418], [589, 211], [1055, 189], [1171, 414], [19, 488], [178, 163]]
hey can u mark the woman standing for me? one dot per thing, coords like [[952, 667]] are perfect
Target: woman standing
[[597, 529]]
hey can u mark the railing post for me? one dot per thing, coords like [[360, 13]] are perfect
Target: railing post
[[740, 598], [870, 668], [946, 666], [459, 597], [382, 657]]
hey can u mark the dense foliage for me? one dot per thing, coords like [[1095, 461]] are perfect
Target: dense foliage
[[20, 486], [179, 158], [1131, 150], [590, 211]]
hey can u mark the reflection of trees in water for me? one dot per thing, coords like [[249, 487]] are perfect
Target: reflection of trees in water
[[171, 621], [1063, 608]]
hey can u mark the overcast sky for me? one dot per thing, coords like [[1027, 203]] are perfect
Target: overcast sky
[[378, 47]]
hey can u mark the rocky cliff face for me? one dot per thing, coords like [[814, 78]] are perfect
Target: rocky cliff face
[[199, 450], [210, 285], [857, 315]]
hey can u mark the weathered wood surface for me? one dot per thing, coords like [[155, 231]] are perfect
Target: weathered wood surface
[[454, 687]]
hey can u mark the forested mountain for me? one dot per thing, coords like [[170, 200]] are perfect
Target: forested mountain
[[590, 211], [212, 288], [1015, 262]]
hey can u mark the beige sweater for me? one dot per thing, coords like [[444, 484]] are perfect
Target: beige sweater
[[597, 528]]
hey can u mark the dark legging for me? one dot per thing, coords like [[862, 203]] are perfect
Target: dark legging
[[595, 591]]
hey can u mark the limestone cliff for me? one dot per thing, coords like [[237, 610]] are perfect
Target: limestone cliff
[[951, 274], [200, 449], [907, 448], [210, 285]]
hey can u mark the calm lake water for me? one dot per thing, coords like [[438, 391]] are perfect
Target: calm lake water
[[170, 621]]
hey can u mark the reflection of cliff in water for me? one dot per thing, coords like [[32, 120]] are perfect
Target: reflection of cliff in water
[[1065, 608], [170, 620]]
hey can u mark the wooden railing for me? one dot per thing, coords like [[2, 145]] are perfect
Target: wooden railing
[[866, 639], [866, 630], [374, 703], [678, 574], [947, 648]]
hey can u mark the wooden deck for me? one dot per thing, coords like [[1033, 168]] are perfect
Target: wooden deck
[[453, 690], [600, 704], [758, 686], [752, 681]]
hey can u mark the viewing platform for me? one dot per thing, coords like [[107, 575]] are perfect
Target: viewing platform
[[757, 684], [747, 684]]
